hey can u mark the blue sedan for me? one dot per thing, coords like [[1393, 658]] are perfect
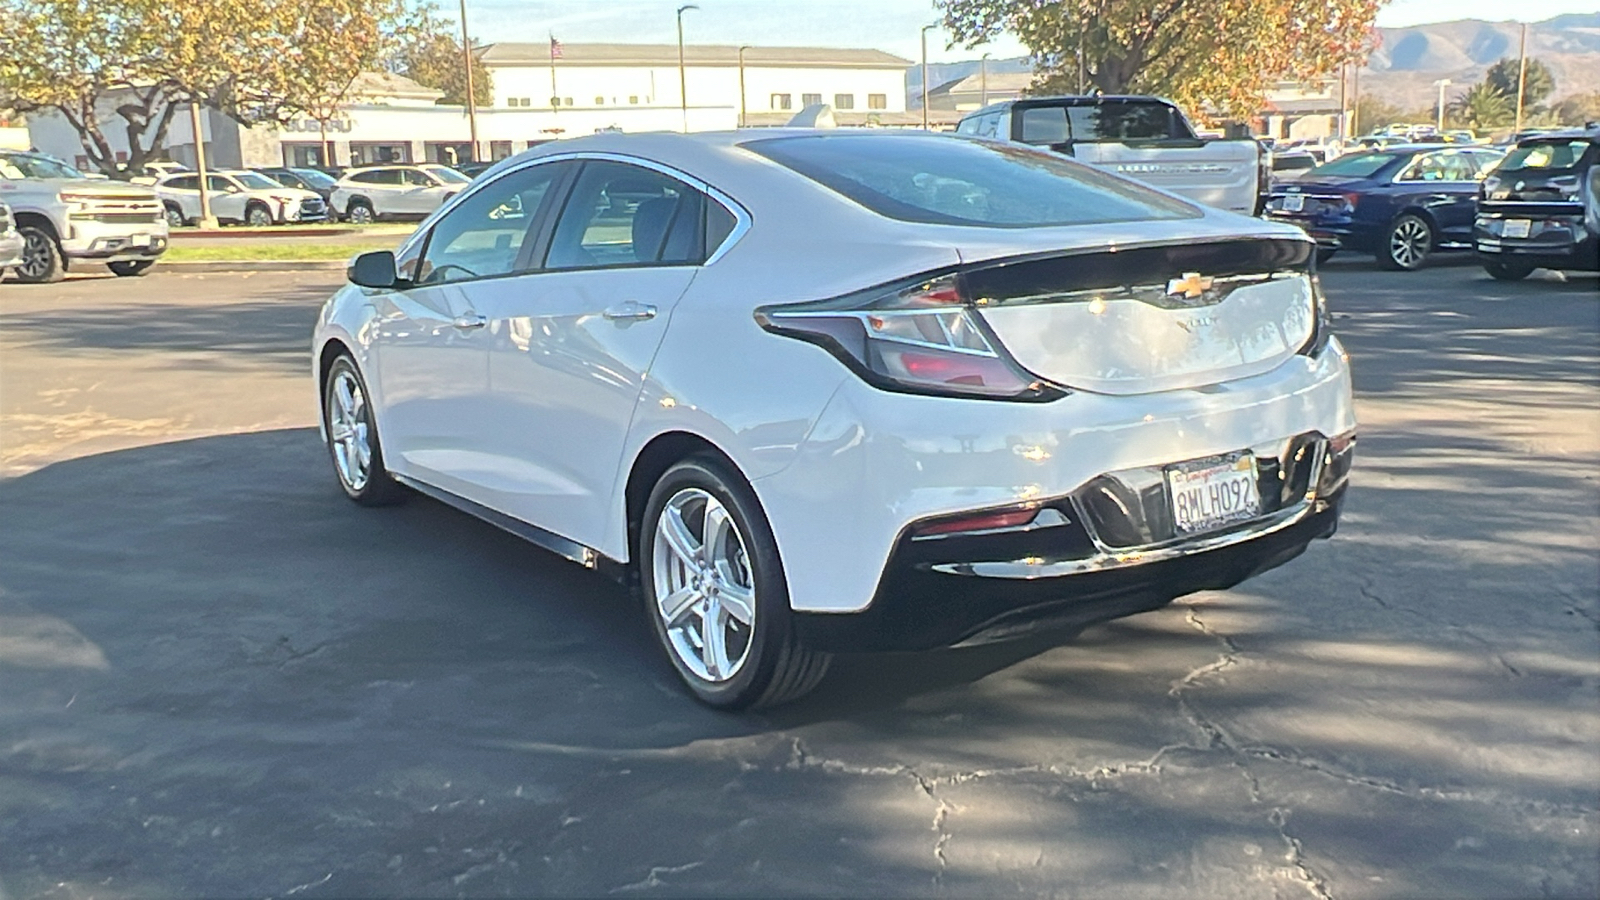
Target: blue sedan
[[1400, 203]]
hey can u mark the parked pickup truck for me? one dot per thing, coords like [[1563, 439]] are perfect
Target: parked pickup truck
[[1144, 138], [67, 220]]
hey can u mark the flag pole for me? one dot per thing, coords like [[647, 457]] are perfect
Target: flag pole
[[555, 50]]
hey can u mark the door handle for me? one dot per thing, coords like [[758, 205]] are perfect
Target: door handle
[[470, 321], [630, 310]]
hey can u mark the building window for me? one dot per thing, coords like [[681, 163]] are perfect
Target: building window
[[810, 99], [844, 101], [499, 149], [781, 101], [555, 101], [566, 101], [877, 101], [633, 98], [599, 101]]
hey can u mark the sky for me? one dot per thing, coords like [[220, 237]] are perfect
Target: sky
[[890, 25]]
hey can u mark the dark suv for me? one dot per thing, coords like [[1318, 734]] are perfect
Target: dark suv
[[1541, 207]]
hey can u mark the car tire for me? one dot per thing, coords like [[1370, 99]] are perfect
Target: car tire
[[719, 608], [1407, 244], [1501, 270], [130, 268], [256, 215], [175, 217], [351, 433], [359, 212], [41, 257]]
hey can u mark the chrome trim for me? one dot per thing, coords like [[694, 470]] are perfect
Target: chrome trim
[[741, 216], [1155, 295], [1105, 559], [584, 556], [1048, 517]]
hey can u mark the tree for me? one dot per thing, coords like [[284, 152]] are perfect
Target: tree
[[1219, 54], [1481, 107], [1578, 109], [432, 58], [1372, 113], [1540, 84], [141, 60]]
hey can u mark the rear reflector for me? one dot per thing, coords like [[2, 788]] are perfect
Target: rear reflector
[[981, 522]]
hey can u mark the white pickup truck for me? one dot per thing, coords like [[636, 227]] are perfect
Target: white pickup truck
[[1143, 138], [68, 220]]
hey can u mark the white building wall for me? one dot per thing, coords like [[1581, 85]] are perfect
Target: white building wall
[[596, 86]]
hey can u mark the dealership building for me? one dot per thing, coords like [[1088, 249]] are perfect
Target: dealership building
[[542, 93]]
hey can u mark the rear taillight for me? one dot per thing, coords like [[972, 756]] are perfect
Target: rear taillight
[[919, 337]]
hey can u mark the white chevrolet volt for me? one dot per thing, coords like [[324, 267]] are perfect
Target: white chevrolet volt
[[823, 391]]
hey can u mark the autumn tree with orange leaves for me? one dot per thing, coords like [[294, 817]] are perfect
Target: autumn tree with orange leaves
[[1217, 55]]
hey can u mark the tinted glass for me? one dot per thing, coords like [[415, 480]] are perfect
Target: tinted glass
[[622, 215], [379, 176], [484, 234], [447, 174], [22, 165], [1355, 165], [1546, 155], [1044, 125], [219, 183], [1126, 122], [313, 179], [257, 182], [955, 181]]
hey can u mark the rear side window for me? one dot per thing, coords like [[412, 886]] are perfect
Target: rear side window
[[624, 215], [1566, 154], [954, 181], [378, 176]]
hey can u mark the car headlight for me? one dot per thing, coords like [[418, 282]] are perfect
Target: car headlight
[[921, 337]]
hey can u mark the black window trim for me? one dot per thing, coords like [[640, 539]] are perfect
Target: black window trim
[[560, 188]]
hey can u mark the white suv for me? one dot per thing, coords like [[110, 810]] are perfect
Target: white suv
[[238, 196], [394, 192]]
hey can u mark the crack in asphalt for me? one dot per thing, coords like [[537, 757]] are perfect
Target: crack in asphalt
[[1296, 855], [653, 878], [1370, 593]]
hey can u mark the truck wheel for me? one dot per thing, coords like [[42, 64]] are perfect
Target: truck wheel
[[175, 217], [41, 257], [1500, 270], [360, 213], [258, 216], [129, 268]]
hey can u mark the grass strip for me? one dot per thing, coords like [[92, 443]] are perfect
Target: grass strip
[[250, 251]]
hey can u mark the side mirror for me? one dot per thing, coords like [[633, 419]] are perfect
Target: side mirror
[[373, 270]]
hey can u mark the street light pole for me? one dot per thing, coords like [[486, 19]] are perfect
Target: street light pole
[[207, 220], [1522, 78], [683, 77], [925, 75], [1441, 84], [983, 80], [741, 87], [472, 108]]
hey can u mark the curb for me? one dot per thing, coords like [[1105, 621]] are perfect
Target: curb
[[210, 267]]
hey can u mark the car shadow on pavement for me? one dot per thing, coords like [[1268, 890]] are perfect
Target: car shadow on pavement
[[274, 331]]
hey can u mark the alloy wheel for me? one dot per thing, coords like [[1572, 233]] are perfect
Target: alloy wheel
[[175, 217], [704, 587], [361, 214], [1410, 242], [348, 431], [37, 255], [258, 217]]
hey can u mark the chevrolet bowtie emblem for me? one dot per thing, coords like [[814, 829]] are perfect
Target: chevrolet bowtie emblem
[[1190, 286]]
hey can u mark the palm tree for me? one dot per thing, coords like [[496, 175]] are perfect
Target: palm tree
[[1481, 108]]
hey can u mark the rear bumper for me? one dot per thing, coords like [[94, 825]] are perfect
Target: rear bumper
[[1552, 242], [1329, 235], [1109, 549]]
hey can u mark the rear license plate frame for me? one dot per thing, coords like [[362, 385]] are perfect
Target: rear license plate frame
[[1198, 509]]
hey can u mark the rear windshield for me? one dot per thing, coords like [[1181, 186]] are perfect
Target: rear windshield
[[947, 180], [1546, 155], [1355, 165]]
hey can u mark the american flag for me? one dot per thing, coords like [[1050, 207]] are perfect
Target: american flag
[[555, 48]]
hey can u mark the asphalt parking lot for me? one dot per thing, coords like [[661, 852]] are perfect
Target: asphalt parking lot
[[219, 678]]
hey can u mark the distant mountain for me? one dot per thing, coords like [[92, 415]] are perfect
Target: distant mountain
[[1409, 60]]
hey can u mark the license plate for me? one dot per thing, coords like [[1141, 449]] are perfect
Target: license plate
[[1517, 228], [139, 240], [1294, 202], [1207, 494]]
